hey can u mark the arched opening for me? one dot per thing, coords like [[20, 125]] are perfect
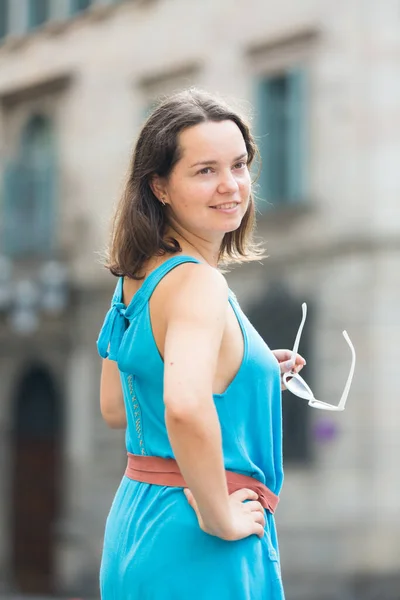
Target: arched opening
[[36, 440], [277, 318]]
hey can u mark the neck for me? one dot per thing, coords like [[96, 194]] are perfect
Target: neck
[[204, 249]]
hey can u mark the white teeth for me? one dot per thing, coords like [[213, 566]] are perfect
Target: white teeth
[[226, 206]]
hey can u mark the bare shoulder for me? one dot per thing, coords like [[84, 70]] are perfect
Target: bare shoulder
[[197, 285]]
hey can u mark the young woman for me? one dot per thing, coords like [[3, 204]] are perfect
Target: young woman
[[196, 387]]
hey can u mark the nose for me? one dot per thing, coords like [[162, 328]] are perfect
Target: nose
[[227, 183]]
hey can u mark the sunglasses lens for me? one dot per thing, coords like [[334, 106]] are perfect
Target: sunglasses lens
[[298, 387]]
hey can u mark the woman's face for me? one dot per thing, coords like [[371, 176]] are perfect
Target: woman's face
[[209, 187]]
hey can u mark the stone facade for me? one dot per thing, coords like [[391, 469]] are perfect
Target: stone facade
[[95, 75]]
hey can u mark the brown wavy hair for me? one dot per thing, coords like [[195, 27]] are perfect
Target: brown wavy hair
[[140, 221]]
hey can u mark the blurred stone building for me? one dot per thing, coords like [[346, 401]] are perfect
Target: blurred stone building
[[319, 79]]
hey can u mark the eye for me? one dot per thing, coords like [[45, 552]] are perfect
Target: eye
[[240, 165], [205, 171]]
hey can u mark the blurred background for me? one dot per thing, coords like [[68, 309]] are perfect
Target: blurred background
[[320, 81]]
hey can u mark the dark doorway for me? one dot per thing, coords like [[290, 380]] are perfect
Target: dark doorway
[[277, 317], [36, 476]]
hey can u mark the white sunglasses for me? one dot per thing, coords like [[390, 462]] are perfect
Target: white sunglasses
[[298, 386]]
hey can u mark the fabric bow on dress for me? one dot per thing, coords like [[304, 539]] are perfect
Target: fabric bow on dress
[[112, 332]]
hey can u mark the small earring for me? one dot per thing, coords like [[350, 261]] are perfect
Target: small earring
[[162, 200]]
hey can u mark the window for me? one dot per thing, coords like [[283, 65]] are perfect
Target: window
[[4, 9], [277, 317], [29, 194], [281, 128], [39, 12], [80, 5]]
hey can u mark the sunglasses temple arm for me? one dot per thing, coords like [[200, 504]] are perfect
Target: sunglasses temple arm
[[299, 332], [350, 377]]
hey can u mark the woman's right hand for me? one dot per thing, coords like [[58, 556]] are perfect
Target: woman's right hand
[[246, 518]]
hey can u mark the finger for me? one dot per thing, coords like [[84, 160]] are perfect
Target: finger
[[286, 366], [297, 368], [282, 355], [259, 518], [190, 499], [245, 494], [254, 505], [289, 365], [258, 530], [300, 360]]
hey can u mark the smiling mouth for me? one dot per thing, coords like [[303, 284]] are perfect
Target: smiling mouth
[[227, 206]]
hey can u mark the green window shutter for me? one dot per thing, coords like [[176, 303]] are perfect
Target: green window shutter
[[278, 163], [281, 136], [263, 135], [45, 192], [20, 217], [28, 212], [296, 135], [77, 6], [29, 194], [11, 187], [272, 135], [38, 13], [4, 16]]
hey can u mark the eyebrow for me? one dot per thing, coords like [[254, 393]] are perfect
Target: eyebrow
[[214, 162]]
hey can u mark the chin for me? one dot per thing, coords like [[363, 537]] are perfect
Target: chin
[[232, 228], [233, 225]]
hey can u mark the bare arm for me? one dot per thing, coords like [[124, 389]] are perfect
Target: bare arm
[[111, 396], [195, 315]]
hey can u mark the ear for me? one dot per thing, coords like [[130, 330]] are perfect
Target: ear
[[157, 185]]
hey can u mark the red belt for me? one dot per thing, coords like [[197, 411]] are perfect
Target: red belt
[[165, 471]]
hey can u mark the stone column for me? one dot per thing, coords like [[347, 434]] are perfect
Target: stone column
[[73, 528]]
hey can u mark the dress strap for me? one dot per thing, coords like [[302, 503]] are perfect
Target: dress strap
[[144, 293]]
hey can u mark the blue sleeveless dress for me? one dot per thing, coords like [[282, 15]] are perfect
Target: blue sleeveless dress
[[154, 548]]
